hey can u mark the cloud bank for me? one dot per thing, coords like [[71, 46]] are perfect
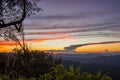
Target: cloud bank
[[73, 47]]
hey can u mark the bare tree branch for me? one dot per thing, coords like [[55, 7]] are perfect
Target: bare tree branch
[[3, 25], [25, 6]]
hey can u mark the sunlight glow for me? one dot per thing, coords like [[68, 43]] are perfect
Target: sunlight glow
[[100, 48]]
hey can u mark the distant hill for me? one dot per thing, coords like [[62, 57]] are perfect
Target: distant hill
[[93, 63], [112, 60], [112, 71]]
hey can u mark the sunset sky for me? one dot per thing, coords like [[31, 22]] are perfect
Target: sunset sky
[[73, 25]]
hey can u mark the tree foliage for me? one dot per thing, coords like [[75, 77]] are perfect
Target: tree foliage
[[13, 12], [61, 73], [36, 65], [28, 64]]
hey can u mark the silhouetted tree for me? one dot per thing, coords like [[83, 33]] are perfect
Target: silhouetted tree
[[13, 12], [12, 15]]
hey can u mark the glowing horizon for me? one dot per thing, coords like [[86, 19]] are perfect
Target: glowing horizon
[[110, 47]]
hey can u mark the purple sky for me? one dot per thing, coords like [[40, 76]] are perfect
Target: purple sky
[[72, 24], [88, 21]]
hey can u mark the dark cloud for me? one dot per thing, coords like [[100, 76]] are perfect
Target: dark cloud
[[79, 15], [77, 18], [57, 17], [93, 30], [86, 26], [98, 34], [73, 47], [103, 29]]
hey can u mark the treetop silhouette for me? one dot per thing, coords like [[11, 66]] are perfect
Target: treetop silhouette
[[14, 12]]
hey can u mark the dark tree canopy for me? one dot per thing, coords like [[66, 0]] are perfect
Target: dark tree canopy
[[13, 12]]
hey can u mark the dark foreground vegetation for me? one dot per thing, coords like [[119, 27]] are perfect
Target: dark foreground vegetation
[[36, 65], [107, 63], [31, 65]]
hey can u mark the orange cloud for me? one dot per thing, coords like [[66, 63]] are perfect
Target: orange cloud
[[6, 43], [3, 43], [47, 39], [9, 44]]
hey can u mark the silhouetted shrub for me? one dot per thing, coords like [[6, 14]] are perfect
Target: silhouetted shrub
[[29, 64], [37, 65], [60, 73]]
